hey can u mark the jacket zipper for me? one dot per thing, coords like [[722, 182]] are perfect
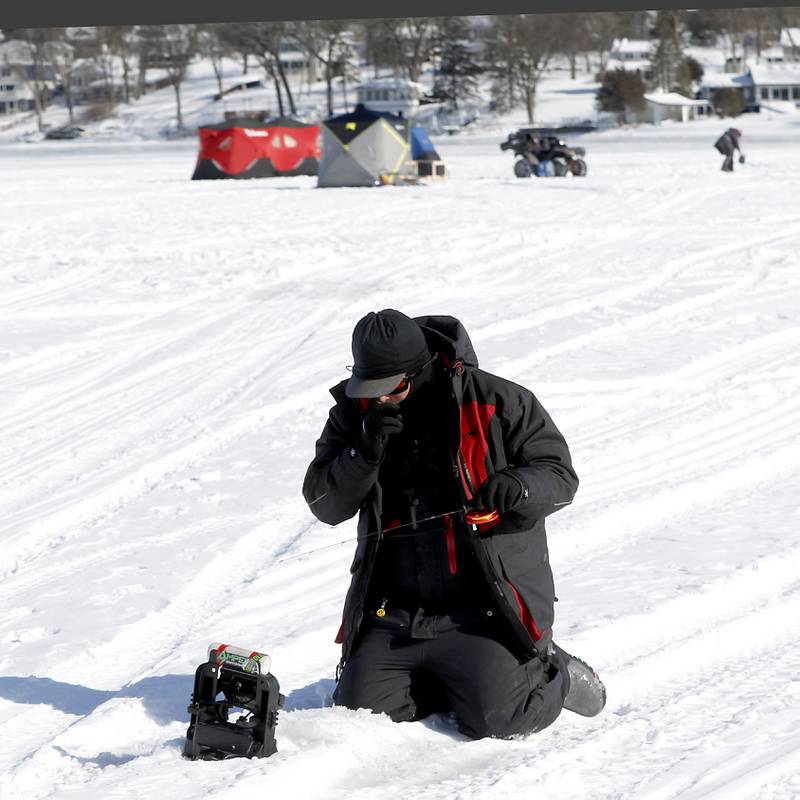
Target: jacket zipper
[[467, 476]]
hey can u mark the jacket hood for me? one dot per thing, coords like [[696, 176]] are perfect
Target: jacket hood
[[447, 334], [443, 334]]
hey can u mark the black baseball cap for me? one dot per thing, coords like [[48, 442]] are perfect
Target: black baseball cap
[[387, 345]]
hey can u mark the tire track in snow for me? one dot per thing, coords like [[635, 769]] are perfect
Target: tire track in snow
[[642, 321], [696, 380], [624, 522], [219, 386], [161, 631], [616, 296], [47, 533], [50, 532]]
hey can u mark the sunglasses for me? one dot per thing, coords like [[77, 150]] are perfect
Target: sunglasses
[[409, 376]]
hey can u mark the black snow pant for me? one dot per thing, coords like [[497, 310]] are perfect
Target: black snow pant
[[408, 667], [727, 164]]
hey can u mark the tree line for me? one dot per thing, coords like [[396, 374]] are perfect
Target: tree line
[[739, 31], [511, 52]]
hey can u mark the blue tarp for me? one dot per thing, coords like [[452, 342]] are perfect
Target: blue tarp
[[422, 148]]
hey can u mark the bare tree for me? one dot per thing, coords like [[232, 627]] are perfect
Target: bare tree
[[174, 52], [412, 41], [35, 48], [232, 41], [148, 47], [327, 41], [379, 46], [118, 49], [212, 46], [105, 57], [62, 59], [525, 43], [730, 23], [603, 28], [264, 40], [633, 24], [573, 38]]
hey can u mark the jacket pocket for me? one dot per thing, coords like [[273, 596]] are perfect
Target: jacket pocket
[[522, 598]]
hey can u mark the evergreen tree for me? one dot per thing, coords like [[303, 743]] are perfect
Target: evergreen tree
[[728, 102], [620, 92], [668, 53], [457, 76], [689, 72]]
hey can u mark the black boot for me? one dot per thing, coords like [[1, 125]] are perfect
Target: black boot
[[587, 695]]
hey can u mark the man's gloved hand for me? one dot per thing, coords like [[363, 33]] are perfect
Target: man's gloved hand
[[502, 491], [741, 158], [380, 422]]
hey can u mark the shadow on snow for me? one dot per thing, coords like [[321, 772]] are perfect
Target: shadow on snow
[[165, 697]]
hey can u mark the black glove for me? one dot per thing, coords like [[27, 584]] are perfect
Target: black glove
[[380, 422], [741, 158], [502, 491]]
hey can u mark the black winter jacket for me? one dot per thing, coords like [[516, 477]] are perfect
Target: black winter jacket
[[728, 142], [495, 424]]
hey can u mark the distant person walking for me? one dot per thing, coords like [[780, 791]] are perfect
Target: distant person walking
[[728, 144]]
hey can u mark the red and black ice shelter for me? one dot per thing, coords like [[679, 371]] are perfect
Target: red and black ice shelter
[[247, 148]]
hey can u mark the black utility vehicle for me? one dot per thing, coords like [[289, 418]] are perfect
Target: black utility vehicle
[[541, 152], [64, 132]]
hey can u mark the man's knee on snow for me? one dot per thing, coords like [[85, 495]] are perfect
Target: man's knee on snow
[[395, 701], [539, 709]]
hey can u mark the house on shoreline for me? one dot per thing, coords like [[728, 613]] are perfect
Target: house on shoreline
[[759, 85]]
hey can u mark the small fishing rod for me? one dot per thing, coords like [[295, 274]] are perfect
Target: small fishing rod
[[474, 517]]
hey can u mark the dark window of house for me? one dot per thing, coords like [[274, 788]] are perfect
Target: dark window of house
[[765, 94]]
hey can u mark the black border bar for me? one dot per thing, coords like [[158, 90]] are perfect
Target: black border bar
[[55, 13]]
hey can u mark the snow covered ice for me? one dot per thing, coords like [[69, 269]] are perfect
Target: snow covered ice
[[166, 347]]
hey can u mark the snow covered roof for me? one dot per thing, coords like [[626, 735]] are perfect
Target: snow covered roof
[[293, 55], [15, 51], [726, 80], [640, 46], [790, 37], [638, 65], [672, 99], [84, 33], [771, 52], [85, 66], [391, 83], [252, 79], [775, 75]]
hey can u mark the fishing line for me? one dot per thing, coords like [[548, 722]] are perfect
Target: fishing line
[[471, 516]]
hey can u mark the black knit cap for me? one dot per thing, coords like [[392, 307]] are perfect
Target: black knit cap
[[387, 345]]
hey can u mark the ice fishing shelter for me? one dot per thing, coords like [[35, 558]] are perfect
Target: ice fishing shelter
[[248, 148], [427, 161], [364, 148]]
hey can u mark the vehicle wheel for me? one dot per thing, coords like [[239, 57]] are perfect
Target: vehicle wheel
[[522, 169], [578, 167], [560, 168]]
